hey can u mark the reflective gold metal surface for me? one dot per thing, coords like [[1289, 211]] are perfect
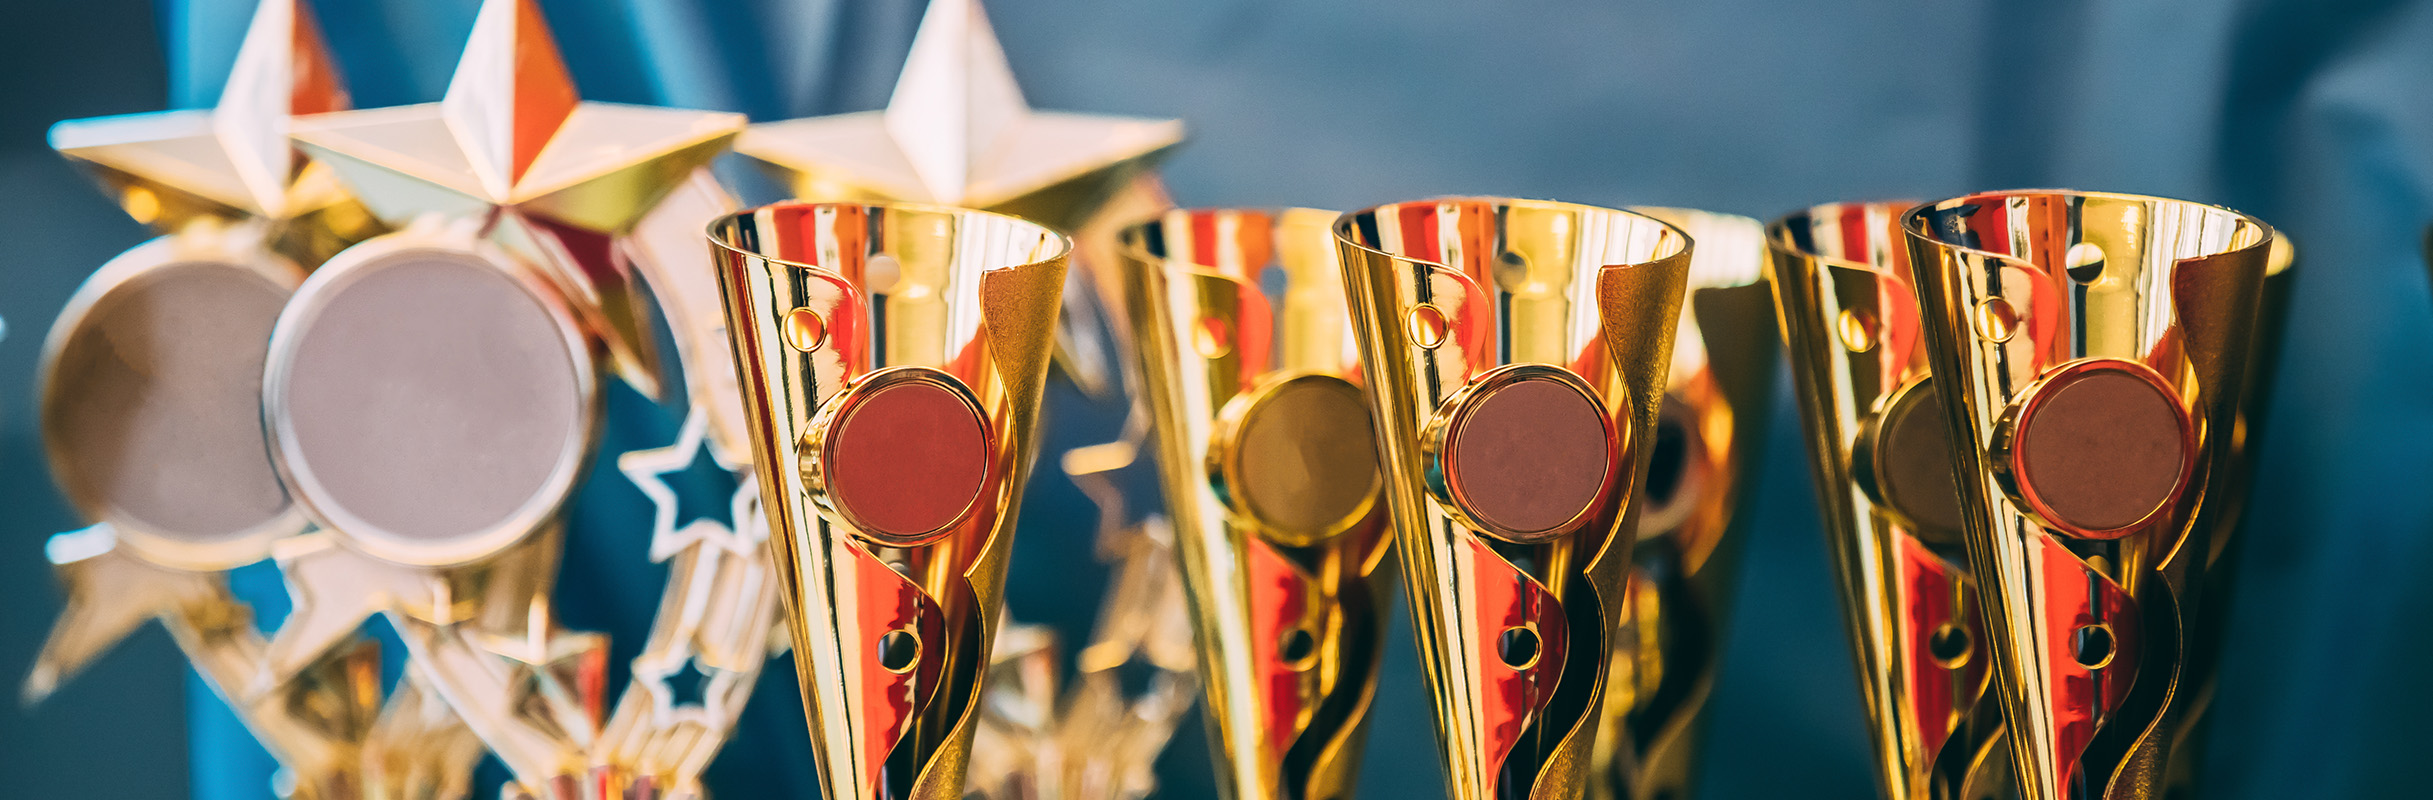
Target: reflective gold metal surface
[[2089, 620], [892, 643], [1692, 516], [1444, 293], [1878, 445], [1242, 346]]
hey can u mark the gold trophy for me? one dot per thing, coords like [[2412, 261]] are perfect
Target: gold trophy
[[1706, 444], [890, 360], [2091, 353], [1880, 450], [1244, 353], [1515, 355], [151, 397], [433, 393]]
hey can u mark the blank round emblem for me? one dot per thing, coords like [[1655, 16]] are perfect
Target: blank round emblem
[[907, 456], [154, 410], [431, 404], [2101, 447], [1304, 459], [1527, 453], [1913, 463]]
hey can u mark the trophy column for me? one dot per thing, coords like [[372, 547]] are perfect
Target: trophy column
[[890, 359], [2091, 354], [1515, 356], [1879, 448], [1242, 345]]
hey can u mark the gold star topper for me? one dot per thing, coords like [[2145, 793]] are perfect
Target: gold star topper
[[233, 162], [563, 175], [957, 132]]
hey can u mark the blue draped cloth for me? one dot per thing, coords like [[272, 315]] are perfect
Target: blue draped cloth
[[2316, 115]]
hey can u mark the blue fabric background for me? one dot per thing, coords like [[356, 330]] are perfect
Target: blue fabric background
[[2314, 114]]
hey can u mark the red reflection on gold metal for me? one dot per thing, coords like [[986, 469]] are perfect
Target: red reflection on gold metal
[[885, 601], [1939, 595], [2076, 597], [1508, 600]]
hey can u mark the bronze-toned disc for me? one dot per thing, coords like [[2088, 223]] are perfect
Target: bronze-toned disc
[[1528, 456], [155, 403], [433, 403], [907, 459], [1305, 459], [1913, 463], [2101, 448]]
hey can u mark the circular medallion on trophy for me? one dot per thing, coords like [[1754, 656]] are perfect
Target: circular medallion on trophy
[[901, 457], [2099, 447], [1526, 452], [152, 405], [1910, 456], [1298, 457], [431, 404]]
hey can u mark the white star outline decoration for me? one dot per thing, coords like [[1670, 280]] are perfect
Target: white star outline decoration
[[646, 469]]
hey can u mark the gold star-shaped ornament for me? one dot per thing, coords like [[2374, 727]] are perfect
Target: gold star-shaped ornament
[[233, 163], [957, 132], [564, 176]]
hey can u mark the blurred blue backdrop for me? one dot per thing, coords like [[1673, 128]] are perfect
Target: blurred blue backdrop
[[2314, 114]]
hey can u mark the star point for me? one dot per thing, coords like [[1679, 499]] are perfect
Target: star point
[[233, 161], [957, 131], [512, 137]]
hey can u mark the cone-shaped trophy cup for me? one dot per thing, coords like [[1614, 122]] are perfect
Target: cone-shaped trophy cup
[[2091, 354], [1704, 454], [890, 358], [1878, 444], [1515, 355], [1243, 346]]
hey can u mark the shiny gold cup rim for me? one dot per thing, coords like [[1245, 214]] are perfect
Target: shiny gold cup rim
[[1347, 228], [536, 512], [1778, 232], [1913, 221], [722, 229], [1280, 217]]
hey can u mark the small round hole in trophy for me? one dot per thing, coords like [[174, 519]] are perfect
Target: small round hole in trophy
[[1519, 647], [805, 330], [1297, 649], [2093, 646], [1212, 337], [2085, 262], [881, 273], [1995, 320], [1428, 326], [1950, 645], [2101, 449], [899, 650], [1858, 329], [1511, 271]]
